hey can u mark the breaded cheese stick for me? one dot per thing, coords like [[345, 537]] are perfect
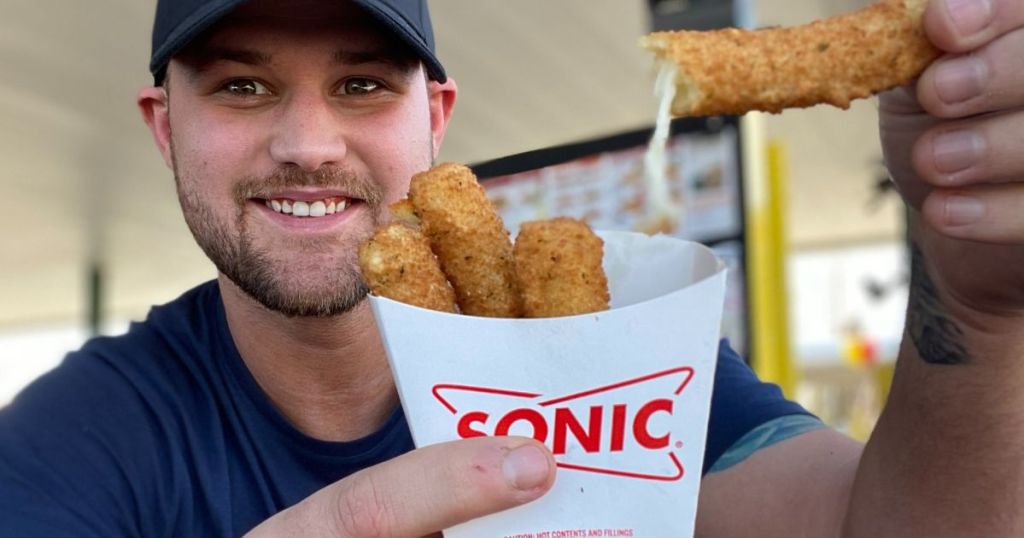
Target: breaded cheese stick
[[402, 211], [469, 239], [397, 263], [558, 266], [834, 61]]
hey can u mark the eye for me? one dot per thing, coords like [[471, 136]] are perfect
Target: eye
[[359, 86], [245, 87]]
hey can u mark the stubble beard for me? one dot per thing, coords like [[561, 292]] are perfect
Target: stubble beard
[[235, 251]]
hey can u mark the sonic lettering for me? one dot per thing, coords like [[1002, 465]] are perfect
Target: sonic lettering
[[589, 432]]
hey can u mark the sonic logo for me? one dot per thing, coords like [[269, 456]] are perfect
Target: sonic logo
[[586, 426]]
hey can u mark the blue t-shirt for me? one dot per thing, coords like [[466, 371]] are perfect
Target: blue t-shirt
[[164, 432]]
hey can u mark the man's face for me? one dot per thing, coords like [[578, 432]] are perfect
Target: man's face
[[292, 127]]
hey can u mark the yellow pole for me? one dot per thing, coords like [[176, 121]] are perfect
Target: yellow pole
[[766, 251]]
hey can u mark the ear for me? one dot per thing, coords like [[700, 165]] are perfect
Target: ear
[[153, 103], [442, 100]]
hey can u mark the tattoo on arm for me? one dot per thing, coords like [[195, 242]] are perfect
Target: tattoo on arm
[[937, 338]]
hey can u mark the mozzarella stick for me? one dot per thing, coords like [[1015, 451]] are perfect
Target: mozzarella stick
[[397, 263], [402, 211], [558, 266], [833, 61], [469, 239]]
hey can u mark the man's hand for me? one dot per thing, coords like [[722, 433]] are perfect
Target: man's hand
[[422, 492], [943, 459], [955, 148]]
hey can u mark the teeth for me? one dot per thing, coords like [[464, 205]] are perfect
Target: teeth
[[317, 208]]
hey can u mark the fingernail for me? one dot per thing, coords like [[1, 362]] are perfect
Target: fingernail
[[960, 79], [969, 16], [526, 467], [957, 150], [963, 210]]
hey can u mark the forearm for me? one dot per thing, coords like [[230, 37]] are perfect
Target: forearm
[[945, 457]]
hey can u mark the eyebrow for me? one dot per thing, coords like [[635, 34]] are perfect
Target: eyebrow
[[394, 56], [205, 57], [242, 56]]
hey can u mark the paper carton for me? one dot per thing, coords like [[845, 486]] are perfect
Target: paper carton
[[621, 397]]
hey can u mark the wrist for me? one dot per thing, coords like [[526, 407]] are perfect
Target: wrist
[[956, 310]]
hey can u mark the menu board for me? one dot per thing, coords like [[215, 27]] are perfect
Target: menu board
[[602, 182]]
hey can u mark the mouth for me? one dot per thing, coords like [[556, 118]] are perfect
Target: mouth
[[309, 207]]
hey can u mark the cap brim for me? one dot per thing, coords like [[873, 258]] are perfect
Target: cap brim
[[397, 23]]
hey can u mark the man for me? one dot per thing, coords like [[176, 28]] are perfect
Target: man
[[263, 403]]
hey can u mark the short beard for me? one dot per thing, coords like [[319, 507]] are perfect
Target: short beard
[[252, 270]]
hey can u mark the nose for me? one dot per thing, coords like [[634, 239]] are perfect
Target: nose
[[308, 133]]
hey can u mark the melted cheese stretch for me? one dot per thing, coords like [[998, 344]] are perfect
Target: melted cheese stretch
[[659, 202]]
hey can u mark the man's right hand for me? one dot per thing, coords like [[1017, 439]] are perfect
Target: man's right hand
[[422, 492]]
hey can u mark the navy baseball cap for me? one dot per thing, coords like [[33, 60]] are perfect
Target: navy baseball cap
[[178, 22]]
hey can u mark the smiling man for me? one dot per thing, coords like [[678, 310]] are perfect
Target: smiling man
[[284, 153], [262, 402]]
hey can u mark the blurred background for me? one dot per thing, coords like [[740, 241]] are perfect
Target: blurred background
[[555, 108]]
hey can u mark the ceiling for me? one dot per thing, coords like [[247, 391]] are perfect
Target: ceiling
[[83, 181]]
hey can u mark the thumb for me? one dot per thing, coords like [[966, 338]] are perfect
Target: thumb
[[424, 491]]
